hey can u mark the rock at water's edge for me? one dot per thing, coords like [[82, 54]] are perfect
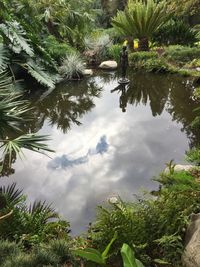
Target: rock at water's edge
[[191, 256], [87, 72], [108, 65], [179, 168]]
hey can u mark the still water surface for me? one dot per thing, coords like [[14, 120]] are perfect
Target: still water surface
[[106, 143]]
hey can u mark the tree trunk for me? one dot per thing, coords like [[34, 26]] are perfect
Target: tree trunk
[[130, 43], [143, 44]]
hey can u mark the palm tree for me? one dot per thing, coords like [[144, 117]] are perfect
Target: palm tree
[[141, 19], [13, 113]]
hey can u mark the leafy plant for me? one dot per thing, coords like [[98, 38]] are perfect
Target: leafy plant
[[32, 224], [128, 256], [171, 166], [193, 155], [175, 32], [141, 19], [181, 54], [98, 44], [114, 52], [72, 67], [91, 254], [18, 42]]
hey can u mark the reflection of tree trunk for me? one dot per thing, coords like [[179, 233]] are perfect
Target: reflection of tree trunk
[[143, 44]]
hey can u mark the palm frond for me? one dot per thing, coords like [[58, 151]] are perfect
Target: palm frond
[[141, 18], [16, 35], [29, 141], [12, 194], [42, 210]]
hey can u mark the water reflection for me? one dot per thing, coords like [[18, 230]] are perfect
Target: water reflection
[[64, 106], [161, 92], [110, 152], [64, 161]]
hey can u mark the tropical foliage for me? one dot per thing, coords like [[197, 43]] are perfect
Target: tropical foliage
[[141, 19], [13, 114]]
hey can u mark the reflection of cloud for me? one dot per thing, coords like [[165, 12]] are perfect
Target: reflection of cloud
[[64, 162]]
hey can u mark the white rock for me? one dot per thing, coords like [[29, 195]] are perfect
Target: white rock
[[180, 167], [108, 65], [191, 256], [88, 72], [198, 69]]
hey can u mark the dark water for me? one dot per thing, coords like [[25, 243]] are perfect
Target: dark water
[[106, 143]]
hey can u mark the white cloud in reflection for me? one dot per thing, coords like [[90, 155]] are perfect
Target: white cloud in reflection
[[64, 161]]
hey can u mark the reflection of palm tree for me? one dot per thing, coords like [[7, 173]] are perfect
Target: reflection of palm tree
[[181, 106], [65, 105], [143, 89]]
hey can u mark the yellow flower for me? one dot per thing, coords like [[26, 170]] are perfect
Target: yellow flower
[[125, 42], [136, 44]]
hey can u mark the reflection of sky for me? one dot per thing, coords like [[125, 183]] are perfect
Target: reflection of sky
[[110, 153], [64, 161]]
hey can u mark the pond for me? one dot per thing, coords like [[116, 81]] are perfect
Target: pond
[[108, 141]]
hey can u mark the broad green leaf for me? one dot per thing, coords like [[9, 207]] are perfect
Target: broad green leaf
[[128, 256], [107, 249], [90, 255]]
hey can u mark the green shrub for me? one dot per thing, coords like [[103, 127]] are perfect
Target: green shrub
[[182, 54], [21, 260], [72, 67], [43, 256], [175, 32], [193, 156], [141, 56], [56, 49], [149, 61], [157, 65], [154, 227], [60, 248], [7, 250], [114, 52], [181, 180]]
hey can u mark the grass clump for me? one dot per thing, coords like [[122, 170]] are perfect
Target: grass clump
[[8, 249], [114, 52], [72, 67]]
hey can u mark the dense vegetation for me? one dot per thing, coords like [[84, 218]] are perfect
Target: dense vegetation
[[48, 41]]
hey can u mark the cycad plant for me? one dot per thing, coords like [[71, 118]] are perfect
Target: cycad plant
[[141, 19]]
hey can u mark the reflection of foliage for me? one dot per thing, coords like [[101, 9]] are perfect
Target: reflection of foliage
[[66, 105], [170, 93], [181, 106], [144, 93], [144, 89]]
